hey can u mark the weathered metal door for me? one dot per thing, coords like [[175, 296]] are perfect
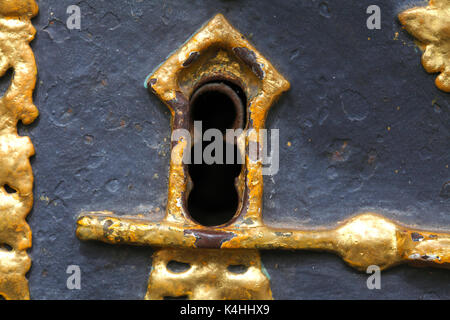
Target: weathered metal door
[[332, 112]]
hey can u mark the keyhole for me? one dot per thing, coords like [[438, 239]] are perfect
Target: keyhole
[[214, 199]]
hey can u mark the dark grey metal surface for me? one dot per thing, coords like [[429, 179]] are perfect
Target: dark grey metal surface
[[102, 141]]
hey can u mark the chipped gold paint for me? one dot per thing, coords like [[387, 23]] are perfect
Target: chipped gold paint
[[208, 277], [431, 26], [16, 31], [217, 61], [364, 240]]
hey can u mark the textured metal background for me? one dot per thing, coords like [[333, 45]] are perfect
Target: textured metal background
[[100, 137]]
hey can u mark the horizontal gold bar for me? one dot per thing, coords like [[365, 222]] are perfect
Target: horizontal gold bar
[[364, 240]]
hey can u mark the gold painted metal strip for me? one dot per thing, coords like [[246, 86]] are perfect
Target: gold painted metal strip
[[16, 177], [364, 240]]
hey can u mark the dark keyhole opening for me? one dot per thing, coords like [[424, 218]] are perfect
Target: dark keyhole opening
[[219, 105], [214, 199]]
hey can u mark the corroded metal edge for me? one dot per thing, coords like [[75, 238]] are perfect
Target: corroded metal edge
[[431, 26], [16, 177], [208, 275]]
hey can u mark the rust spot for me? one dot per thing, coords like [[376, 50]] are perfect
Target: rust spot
[[179, 105], [416, 236], [249, 58], [151, 83], [372, 157], [209, 239], [342, 154], [192, 57], [106, 230]]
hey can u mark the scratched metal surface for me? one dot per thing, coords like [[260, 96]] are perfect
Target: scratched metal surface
[[360, 119]]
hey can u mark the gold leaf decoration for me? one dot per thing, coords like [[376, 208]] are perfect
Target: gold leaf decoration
[[210, 274], [431, 26]]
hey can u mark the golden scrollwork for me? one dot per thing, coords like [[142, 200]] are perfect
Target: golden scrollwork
[[431, 26], [16, 177]]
